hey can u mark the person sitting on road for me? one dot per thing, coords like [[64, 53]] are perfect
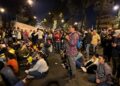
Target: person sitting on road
[[79, 60], [13, 63], [8, 75], [39, 70], [103, 76], [91, 65]]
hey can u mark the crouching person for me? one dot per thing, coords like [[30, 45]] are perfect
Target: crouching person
[[79, 60], [103, 75], [39, 70]]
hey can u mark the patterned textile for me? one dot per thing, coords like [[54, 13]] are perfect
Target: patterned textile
[[71, 45]]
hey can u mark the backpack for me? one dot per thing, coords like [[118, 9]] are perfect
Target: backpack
[[79, 42]]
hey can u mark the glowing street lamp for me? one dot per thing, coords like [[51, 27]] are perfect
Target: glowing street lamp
[[2, 10], [30, 2], [75, 23], [62, 20], [34, 17], [116, 7], [49, 13]]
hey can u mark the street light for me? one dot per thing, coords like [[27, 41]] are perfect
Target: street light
[[116, 7], [49, 13], [2, 10], [30, 2], [75, 23], [34, 17], [62, 20]]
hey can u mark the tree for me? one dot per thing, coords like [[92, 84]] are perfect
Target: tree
[[16, 9]]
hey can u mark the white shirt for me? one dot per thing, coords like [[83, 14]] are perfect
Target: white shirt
[[41, 66], [40, 34], [19, 35]]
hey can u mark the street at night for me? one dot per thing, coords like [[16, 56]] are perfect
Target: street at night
[[59, 42]]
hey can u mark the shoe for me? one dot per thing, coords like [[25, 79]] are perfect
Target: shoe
[[30, 77], [84, 69]]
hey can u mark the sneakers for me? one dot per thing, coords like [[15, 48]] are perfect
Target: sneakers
[[30, 77], [84, 69]]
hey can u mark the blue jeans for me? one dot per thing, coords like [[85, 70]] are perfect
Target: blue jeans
[[94, 48], [79, 62], [37, 74], [20, 83], [88, 50], [58, 46], [92, 79], [72, 66]]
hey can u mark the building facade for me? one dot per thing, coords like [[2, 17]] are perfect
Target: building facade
[[105, 18]]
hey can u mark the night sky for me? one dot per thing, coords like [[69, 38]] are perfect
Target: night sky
[[41, 8]]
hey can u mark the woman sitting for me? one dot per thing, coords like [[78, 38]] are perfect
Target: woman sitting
[[39, 70]]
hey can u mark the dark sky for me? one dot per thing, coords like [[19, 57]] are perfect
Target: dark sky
[[42, 7]]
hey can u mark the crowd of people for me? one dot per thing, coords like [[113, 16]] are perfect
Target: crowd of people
[[78, 49]]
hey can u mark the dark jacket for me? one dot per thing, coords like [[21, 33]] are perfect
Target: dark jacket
[[8, 76], [116, 50], [88, 38]]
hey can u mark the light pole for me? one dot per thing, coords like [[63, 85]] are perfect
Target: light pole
[[117, 8]]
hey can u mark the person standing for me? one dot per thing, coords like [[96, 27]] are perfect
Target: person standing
[[57, 37], [19, 36], [87, 41], [95, 40], [116, 56], [71, 49]]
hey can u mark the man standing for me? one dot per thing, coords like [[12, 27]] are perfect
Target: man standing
[[40, 35], [71, 49], [87, 41], [116, 56]]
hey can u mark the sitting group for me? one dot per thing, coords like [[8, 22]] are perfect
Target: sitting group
[[99, 71], [14, 55]]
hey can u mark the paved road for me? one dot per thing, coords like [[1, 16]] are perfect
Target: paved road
[[57, 74]]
